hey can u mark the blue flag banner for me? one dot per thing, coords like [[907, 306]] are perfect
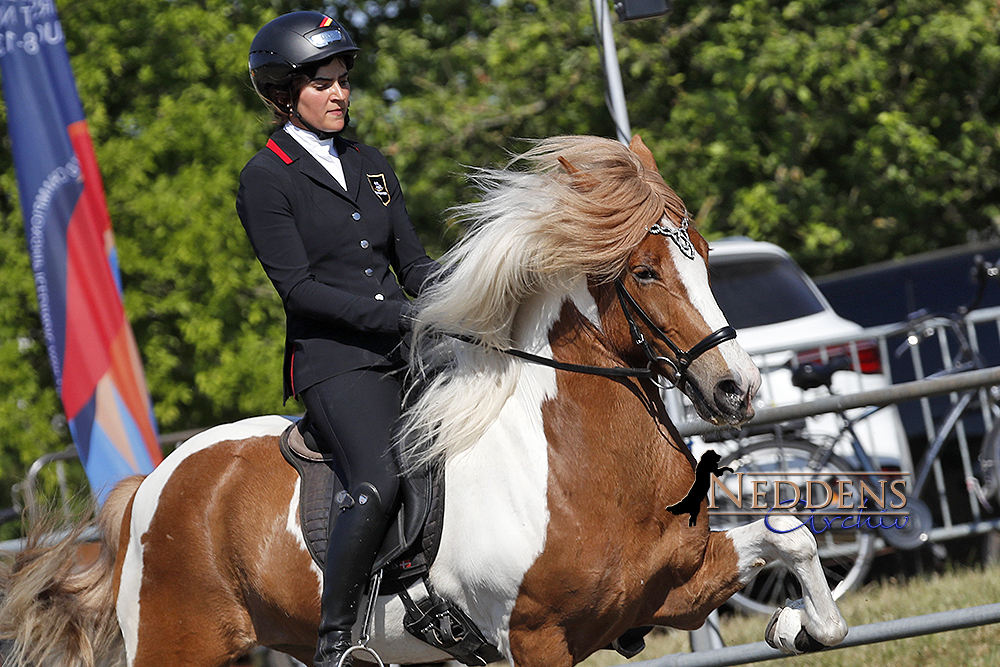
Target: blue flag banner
[[94, 356]]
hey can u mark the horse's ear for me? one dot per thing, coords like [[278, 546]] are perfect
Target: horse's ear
[[643, 153], [582, 181], [568, 166]]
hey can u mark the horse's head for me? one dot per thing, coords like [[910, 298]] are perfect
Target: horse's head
[[586, 211], [659, 308]]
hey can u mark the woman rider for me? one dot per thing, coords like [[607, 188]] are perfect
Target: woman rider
[[327, 221]]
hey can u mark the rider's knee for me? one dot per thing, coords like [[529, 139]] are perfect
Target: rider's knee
[[375, 498]]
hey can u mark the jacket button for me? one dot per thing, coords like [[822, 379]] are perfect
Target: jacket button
[[369, 272], [379, 297], [364, 243], [356, 215]]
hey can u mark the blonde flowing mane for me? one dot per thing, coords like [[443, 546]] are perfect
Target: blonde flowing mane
[[580, 206]]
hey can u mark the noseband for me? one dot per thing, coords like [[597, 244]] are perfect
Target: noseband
[[682, 360]]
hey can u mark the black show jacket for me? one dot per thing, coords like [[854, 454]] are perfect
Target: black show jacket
[[331, 254]]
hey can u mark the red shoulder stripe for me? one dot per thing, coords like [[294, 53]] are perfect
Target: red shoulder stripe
[[277, 151]]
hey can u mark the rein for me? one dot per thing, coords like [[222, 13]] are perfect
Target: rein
[[681, 238], [604, 371], [629, 305]]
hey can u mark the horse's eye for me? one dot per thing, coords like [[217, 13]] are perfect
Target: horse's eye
[[644, 274]]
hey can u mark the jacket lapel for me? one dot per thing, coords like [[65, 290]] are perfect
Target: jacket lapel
[[350, 158], [310, 167]]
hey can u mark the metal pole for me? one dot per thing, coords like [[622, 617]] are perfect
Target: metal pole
[[28, 486], [708, 637], [895, 394], [873, 633], [612, 71]]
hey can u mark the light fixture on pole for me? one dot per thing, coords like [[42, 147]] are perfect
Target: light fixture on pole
[[632, 10]]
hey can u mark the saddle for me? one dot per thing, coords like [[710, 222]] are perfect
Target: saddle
[[406, 554]]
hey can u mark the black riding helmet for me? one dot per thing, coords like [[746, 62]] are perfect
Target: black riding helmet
[[285, 46]]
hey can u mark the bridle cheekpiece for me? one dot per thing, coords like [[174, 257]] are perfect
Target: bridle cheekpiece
[[683, 359]]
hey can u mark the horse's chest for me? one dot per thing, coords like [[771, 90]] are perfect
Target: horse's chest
[[611, 548], [496, 513]]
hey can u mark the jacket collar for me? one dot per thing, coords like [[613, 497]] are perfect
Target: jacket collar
[[350, 159]]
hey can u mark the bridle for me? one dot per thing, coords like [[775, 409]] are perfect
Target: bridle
[[630, 308], [683, 360], [680, 365]]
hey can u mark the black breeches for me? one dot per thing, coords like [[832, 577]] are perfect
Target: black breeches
[[355, 415]]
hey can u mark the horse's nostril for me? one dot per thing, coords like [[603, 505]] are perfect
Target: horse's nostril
[[729, 395]]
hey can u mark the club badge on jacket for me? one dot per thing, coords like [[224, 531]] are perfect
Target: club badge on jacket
[[381, 190]]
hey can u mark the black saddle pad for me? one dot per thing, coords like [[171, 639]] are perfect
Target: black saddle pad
[[413, 539]]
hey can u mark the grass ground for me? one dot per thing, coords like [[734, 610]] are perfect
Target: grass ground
[[880, 601]]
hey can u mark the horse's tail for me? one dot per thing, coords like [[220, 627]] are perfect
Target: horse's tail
[[57, 604]]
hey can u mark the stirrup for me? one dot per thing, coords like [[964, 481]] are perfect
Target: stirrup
[[360, 647], [366, 629]]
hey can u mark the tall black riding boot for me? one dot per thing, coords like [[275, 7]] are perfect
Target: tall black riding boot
[[355, 538]]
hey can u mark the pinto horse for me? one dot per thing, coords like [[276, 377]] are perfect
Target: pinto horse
[[556, 538]]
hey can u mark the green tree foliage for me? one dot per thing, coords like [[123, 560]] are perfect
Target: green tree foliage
[[465, 85], [846, 132]]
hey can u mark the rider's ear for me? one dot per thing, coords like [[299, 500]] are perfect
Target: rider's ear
[[645, 155], [582, 181]]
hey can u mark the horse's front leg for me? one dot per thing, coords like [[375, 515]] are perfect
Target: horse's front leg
[[732, 558], [804, 625]]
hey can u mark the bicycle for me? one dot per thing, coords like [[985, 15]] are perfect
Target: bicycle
[[807, 461]]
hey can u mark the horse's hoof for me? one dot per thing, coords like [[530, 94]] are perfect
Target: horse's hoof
[[771, 631], [805, 643], [786, 632]]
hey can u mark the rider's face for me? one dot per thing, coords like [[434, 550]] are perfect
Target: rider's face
[[323, 100]]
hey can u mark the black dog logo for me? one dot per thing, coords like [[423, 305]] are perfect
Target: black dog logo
[[707, 466]]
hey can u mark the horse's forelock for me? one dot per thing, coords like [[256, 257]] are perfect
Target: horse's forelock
[[604, 209]]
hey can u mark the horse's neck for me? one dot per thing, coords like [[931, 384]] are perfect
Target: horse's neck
[[496, 508], [576, 438], [517, 444], [514, 447]]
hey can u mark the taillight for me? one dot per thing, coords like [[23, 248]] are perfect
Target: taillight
[[868, 355]]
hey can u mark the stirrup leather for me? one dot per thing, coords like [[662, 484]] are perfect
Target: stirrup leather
[[366, 628]]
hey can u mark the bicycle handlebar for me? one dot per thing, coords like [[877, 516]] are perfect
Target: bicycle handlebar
[[920, 325]]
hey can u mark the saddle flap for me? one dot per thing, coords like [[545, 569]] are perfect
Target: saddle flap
[[411, 542]]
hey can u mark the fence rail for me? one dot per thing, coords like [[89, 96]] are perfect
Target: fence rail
[[907, 391], [873, 633]]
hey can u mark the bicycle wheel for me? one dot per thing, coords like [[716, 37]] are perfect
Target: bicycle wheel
[[846, 554], [989, 463]]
